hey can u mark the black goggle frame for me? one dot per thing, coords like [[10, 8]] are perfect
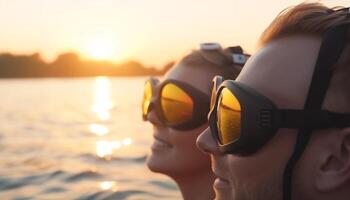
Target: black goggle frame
[[260, 119], [200, 104]]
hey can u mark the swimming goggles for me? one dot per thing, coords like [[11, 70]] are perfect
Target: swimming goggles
[[177, 104], [243, 120]]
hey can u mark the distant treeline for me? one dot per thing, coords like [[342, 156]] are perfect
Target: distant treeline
[[70, 65]]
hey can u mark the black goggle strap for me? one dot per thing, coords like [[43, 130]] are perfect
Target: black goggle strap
[[315, 119], [332, 45]]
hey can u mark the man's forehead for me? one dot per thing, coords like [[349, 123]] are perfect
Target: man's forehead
[[282, 69]]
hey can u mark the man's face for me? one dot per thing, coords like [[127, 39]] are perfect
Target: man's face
[[281, 70]]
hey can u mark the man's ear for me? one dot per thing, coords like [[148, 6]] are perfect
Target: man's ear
[[334, 169]]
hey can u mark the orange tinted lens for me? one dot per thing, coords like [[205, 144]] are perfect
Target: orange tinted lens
[[176, 104], [147, 95], [229, 117]]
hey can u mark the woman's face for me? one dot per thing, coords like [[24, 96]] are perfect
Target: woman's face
[[174, 152]]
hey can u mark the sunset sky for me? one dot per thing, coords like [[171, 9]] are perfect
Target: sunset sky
[[153, 32]]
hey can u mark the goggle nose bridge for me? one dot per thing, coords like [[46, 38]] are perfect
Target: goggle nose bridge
[[151, 106]]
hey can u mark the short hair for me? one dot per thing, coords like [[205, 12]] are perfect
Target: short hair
[[314, 19], [305, 18], [220, 60]]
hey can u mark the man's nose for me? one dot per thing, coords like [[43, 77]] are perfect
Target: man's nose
[[206, 143]]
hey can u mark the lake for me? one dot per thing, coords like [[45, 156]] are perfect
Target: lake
[[79, 138]]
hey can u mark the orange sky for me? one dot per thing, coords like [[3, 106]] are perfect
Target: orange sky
[[151, 31]]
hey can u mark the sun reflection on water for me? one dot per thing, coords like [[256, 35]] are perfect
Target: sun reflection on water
[[102, 98], [127, 141], [99, 129], [108, 185], [105, 148], [102, 105]]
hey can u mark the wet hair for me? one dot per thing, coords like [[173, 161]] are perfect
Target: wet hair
[[218, 59], [314, 19]]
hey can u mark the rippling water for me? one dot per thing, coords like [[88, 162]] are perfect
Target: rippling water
[[76, 139]]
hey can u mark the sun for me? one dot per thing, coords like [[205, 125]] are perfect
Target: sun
[[102, 49], [101, 45]]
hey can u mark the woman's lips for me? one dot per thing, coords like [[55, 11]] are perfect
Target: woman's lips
[[160, 144]]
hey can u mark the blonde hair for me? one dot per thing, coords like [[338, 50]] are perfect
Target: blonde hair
[[315, 19]]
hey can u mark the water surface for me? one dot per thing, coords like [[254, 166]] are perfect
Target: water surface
[[76, 139]]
